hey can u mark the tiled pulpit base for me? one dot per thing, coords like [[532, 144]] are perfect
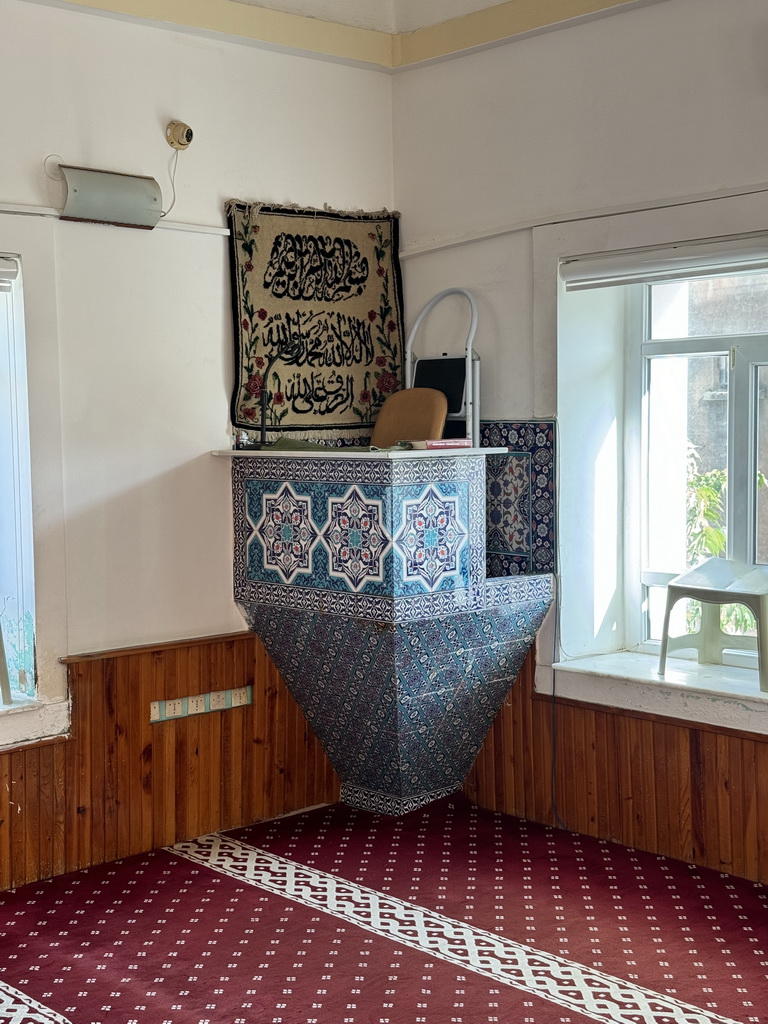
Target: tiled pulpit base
[[365, 579], [401, 709]]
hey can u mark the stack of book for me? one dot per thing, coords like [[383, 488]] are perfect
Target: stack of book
[[442, 442]]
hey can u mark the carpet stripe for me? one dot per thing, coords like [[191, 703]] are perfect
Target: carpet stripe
[[601, 997], [16, 1007]]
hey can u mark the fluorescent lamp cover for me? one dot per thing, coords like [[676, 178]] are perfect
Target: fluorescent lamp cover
[[707, 258], [108, 197]]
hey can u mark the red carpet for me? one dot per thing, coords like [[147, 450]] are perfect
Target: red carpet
[[450, 915]]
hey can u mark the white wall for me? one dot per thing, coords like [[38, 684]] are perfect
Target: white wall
[[662, 101], [144, 333], [653, 103]]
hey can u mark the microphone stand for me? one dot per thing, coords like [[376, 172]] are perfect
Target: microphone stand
[[263, 437], [255, 446]]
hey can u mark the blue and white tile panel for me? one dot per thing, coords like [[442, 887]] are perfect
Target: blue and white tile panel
[[431, 537], [520, 511], [410, 546], [356, 538]]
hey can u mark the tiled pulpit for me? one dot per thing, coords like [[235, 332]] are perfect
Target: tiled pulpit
[[364, 575]]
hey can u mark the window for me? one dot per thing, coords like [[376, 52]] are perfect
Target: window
[[43, 712], [17, 612], [704, 354], [671, 346], [590, 369]]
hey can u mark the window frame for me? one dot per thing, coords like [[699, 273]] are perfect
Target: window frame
[[745, 353], [48, 715], [12, 310], [611, 676]]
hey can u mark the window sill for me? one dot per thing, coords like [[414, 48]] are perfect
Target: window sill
[[29, 721], [20, 703], [716, 695]]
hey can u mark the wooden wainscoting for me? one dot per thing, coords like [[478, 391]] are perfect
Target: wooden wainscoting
[[120, 785], [693, 792]]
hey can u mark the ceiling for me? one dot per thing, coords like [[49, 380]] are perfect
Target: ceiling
[[388, 35], [380, 15]]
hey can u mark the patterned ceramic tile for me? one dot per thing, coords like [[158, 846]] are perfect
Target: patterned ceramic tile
[[356, 538], [319, 501], [286, 533], [508, 514], [431, 538], [521, 528], [401, 709], [310, 552], [402, 608], [320, 470]]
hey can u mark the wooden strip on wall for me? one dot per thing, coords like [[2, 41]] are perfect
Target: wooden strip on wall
[[684, 790], [761, 773], [120, 785], [46, 816]]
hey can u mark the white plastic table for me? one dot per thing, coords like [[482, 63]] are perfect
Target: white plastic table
[[716, 582]]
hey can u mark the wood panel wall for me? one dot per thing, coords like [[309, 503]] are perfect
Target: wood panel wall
[[692, 792], [120, 785]]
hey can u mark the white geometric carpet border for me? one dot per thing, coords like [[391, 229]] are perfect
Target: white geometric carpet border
[[16, 1007], [581, 989]]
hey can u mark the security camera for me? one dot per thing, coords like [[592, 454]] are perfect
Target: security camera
[[178, 134]]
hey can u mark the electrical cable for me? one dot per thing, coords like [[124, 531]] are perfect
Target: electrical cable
[[175, 160]]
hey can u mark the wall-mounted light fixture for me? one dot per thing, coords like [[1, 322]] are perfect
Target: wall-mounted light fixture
[[108, 197]]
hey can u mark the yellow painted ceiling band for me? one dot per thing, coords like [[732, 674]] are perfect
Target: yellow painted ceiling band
[[260, 24], [492, 24], [292, 31]]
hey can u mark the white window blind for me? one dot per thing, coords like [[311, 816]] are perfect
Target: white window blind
[[707, 257], [9, 271]]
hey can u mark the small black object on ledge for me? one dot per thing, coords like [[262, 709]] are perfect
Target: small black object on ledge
[[243, 442]]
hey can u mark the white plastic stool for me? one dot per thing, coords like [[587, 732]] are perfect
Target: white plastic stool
[[716, 582]]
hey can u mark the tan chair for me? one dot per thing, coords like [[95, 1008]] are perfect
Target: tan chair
[[416, 414]]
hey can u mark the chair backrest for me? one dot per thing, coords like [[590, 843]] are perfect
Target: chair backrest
[[416, 414]]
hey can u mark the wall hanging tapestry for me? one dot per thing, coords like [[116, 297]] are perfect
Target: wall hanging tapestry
[[317, 308]]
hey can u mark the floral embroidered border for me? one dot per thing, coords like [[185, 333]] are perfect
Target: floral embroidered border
[[317, 313]]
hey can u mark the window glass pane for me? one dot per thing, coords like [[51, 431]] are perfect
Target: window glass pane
[[17, 640], [710, 307], [687, 460], [761, 526], [655, 604]]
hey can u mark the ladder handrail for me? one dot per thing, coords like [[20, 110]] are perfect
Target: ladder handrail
[[468, 350]]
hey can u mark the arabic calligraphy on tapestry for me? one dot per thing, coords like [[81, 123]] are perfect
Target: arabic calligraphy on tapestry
[[318, 319]]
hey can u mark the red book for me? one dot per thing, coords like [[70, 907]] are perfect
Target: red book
[[443, 442]]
